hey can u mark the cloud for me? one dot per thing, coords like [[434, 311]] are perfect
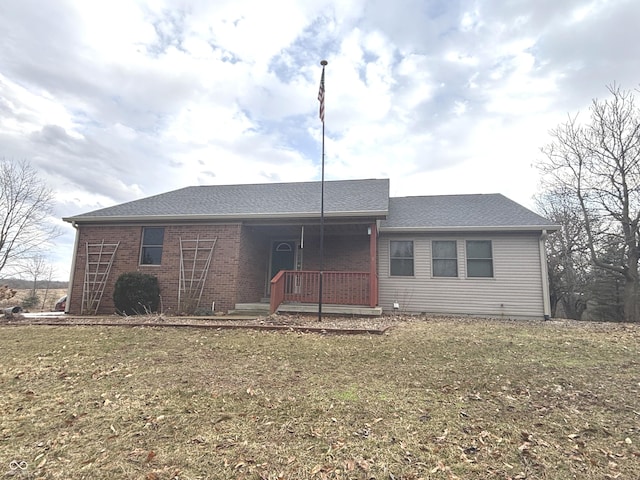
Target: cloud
[[118, 100]]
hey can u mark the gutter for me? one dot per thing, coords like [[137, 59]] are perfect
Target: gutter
[[220, 217], [475, 228], [546, 300]]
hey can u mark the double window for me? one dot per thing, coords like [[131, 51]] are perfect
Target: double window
[[152, 241], [401, 258]]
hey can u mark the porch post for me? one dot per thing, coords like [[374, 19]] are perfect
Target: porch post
[[373, 266]]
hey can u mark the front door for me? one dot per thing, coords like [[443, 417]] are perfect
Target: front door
[[283, 257]]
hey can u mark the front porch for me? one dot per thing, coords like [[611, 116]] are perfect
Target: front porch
[[296, 288], [290, 268]]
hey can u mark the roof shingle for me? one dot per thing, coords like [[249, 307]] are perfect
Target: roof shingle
[[358, 197], [479, 211]]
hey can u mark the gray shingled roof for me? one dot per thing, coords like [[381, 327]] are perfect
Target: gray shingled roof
[[270, 200], [447, 212]]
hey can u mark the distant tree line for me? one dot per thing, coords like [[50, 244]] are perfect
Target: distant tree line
[[20, 284]]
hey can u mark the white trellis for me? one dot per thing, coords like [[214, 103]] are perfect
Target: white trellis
[[195, 259], [99, 258]]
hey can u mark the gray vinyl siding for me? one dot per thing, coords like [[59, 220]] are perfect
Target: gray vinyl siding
[[514, 291]]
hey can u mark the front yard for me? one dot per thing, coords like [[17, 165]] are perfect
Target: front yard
[[439, 398]]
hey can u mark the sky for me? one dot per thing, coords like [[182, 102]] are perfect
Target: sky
[[116, 101]]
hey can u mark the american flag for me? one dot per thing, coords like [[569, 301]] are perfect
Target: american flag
[[321, 96]]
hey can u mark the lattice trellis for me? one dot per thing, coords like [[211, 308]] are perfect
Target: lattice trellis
[[99, 258], [195, 259]]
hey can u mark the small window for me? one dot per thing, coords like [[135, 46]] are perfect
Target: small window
[[152, 241], [444, 255], [284, 247], [479, 258], [401, 256]]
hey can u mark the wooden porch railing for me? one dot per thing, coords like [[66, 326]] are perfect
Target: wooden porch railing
[[341, 288]]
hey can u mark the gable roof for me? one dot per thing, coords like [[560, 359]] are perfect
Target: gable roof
[[489, 212], [344, 198]]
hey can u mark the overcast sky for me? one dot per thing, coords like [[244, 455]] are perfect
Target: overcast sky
[[114, 101]]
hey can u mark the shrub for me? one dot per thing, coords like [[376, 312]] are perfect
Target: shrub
[[30, 301], [136, 293]]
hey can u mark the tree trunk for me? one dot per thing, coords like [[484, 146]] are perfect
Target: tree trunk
[[630, 292]]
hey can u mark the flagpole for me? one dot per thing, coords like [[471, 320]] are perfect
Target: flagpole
[[321, 99]]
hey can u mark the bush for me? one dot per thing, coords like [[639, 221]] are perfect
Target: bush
[[30, 301], [136, 293]]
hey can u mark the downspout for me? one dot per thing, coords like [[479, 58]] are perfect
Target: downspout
[[300, 259], [73, 266], [545, 277]]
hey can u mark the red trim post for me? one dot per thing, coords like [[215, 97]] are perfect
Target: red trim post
[[277, 291], [373, 265]]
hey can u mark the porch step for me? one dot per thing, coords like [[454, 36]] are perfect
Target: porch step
[[330, 309], [257, 309]]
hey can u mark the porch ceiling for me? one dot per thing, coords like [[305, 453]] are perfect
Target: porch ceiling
[[310, 229]]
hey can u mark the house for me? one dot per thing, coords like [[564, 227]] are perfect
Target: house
[[227, 246]]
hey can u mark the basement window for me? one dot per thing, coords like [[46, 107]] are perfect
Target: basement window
[[152, 241]]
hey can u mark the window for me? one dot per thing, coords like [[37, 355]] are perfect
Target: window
[[479, 258], [152, 240], [284, 247], [401, 256], [445, 258]]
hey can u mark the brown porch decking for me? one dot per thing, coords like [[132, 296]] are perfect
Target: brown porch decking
[[262, 309], [330, 309], [298, 287]]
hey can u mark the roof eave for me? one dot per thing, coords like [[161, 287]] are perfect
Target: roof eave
[[479, 228], [221, 217]]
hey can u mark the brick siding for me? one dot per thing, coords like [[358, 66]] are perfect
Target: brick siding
[[220, 286], [238, 269]]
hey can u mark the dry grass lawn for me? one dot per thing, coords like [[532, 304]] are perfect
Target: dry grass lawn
[[438, 399]]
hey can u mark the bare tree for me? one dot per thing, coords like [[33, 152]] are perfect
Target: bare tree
[[598, 164], [25, 205], [567, 253], [35, 267]]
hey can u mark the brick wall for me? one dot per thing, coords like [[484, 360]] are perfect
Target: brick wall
[[221, 283], [238, 269], [253, 265], [341, 252]]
